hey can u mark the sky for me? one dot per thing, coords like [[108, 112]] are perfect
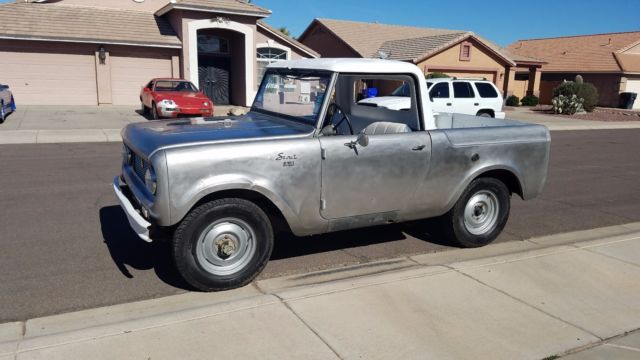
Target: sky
[[501, 21]]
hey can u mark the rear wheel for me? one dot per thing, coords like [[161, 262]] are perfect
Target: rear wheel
[[3, 114], [144, 109], [480, 214], [484, 114], [223, 244], [12, 104]]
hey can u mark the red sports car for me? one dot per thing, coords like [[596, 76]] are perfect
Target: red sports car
[[170, 98]]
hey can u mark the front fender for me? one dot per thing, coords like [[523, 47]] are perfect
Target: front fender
[[183, 203]]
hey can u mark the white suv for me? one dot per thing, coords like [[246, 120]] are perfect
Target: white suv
[[465, 96]]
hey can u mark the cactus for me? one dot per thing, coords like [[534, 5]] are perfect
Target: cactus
[[567, 105]]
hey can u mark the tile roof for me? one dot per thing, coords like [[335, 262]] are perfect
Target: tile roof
[[234, 6], [628, 62], [367, 38], [288, 39], [399, 42], [85, 24], [414, 48], [579, 53]]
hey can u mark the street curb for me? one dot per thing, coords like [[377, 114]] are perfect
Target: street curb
[[34, 334]]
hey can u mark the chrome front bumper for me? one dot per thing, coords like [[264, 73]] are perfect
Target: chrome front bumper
[[137, 222]]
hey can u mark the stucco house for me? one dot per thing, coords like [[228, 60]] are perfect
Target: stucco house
[[88, 52], [610, 61], [454, 52]]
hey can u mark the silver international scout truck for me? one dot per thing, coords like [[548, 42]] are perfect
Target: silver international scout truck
[[311, 158]]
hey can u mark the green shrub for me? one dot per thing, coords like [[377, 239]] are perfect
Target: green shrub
[[567, 88], [567, 105], [513, 101], [586, 91], [590, 95], [437, 75], [579, 79], [530, 100]]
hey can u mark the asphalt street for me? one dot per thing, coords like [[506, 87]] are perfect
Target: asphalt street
[[65, 245]]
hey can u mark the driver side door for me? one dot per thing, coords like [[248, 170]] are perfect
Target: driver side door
[[378, 178], [376, 181]]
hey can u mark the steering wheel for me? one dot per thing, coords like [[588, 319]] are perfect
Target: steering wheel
[[344, 117]]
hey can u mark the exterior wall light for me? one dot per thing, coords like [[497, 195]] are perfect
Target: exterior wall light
[[102, 55]]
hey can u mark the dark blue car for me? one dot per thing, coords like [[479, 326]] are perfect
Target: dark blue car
[[7, 102]]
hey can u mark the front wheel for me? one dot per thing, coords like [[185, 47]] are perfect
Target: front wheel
[[154, 112], [223, 244], [480, 214]]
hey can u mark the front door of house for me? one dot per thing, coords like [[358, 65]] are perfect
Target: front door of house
[[214, 74]]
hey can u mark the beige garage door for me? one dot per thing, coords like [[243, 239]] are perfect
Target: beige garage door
[[38, 76], [634, 86], [130, 74]]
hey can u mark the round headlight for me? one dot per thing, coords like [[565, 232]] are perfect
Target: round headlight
[[205, 104], [150, 180]]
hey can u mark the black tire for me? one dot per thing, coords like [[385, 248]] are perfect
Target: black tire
[[3, 114], [154, 112], [463, 224], [484, 114], [190, 244], [144, 109]]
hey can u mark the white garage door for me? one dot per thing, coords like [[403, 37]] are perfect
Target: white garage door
[[49, 78], [130, 74], [634, 86]]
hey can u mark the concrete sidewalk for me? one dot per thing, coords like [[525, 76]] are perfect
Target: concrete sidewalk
[[557, 123], [532, 299]]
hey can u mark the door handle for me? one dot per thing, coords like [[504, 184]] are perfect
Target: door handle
[[476, 104], [419, 148], [448, 104]]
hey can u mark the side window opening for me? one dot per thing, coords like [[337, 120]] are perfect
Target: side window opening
[[376, 104], [463, 90]]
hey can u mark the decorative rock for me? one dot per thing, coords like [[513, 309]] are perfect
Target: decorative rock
[[236, 111]]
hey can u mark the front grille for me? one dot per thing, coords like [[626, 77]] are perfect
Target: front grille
[[139, 165]]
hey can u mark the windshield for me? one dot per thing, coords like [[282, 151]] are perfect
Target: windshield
[[404, 90], [167, 85], [293, 93]]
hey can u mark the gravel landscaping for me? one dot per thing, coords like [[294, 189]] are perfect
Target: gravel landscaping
[[599, 114]]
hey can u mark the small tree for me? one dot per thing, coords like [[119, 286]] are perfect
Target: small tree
[[437, 75], [285, 31]]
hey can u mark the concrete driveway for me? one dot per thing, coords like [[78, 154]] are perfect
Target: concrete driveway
[[33, 124]]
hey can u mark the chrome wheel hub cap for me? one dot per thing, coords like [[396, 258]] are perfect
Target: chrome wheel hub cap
[[226, 246], [481, 213]]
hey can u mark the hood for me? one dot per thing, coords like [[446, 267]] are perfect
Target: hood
[[147, 137], [183, 98], [389, 102]]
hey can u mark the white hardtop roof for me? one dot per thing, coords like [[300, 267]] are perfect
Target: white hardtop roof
[[350, 65]]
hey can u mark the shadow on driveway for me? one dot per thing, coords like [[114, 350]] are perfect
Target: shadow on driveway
[[289, 246], [127, 249]]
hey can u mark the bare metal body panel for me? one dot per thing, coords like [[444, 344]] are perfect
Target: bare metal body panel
[[317, 182]]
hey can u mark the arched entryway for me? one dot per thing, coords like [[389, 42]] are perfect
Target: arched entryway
[[222, 61]]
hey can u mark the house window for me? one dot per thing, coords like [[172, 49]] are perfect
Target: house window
[[269, 55], [465, 52]]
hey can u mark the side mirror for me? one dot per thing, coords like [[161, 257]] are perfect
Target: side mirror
[[146, 89], [363, 139]]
